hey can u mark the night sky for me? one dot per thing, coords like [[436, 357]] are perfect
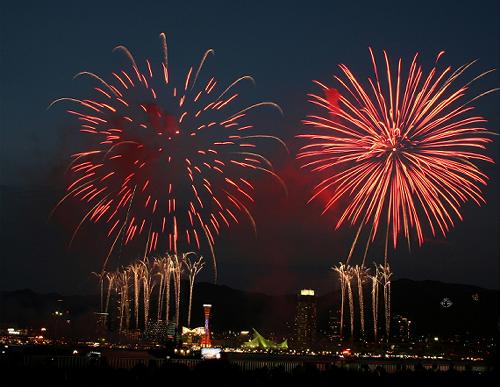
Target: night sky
[[284, 46]]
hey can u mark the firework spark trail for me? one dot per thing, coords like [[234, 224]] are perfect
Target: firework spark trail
[[159, 265], [348, 279], [193, 269], [117, 290], [172, 163], [386, 274], [126, 300], [341, 270], [361, 273], [147, 280], [177, 275], [110, 277], [375, 279], [136, 270], [122, 288], [101, 276], [168, 269], [139, 280], [402, 153]]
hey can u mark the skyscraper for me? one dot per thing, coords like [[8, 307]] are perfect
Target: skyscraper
[[305, 319]]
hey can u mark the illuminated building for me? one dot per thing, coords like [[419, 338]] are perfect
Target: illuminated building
[[259, 342], [101, 324], [159, 331], [206, 340], [401, 327], [199, 331], [192, 336], [333, 331], [305, 319]]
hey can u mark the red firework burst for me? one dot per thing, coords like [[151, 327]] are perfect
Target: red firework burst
[[401, 150], [170, 163]]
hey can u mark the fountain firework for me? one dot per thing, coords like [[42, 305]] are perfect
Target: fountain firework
[[136, 269], [341, 270], [375, 280], [386, 274], [139, 280], [122, 288], [177, 274], [348, 279], [111, 279], [361, 273], [193, 268], [147, 286]]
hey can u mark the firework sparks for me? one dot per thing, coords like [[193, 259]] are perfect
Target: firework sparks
[[386, 275], [348, 280], [361, 274], [122, 286], [347, 274], [177, 267], [110, 277], [342, 270], [193, 269], [375, 280], [137, 282], [136, 270], [161, 265], [148, 284], [168, 267], [402, 151], [101, 276], [173, 162]]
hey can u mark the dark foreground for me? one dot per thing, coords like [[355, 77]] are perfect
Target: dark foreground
[[223, 373]]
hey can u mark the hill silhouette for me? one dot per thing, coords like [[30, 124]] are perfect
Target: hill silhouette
[[473, 311]]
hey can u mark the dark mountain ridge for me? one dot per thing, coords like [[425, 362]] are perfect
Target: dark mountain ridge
[[473, 310]]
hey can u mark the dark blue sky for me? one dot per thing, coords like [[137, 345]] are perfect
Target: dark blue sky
[[284, 45]]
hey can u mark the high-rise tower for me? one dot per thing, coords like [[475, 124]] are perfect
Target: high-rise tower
[[305, 319], [206, 340]]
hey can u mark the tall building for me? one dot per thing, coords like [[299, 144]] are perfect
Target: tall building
[[305, 319], [101, 320], [159, 331], [206, 340], [401, 328], [333, 329]]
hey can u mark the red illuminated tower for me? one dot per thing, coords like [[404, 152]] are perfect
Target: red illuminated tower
[[205, 340]]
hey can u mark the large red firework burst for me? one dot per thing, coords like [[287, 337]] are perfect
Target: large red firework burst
[[173, 163], [400, 150]]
